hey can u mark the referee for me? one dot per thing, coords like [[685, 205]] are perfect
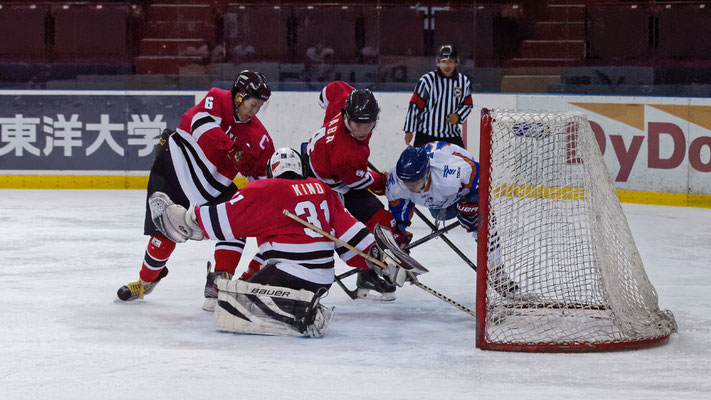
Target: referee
[[441, 102]]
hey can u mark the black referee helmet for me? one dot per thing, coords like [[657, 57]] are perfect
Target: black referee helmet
[[448, 52]]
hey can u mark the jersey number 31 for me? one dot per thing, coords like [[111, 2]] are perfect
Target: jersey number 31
[[308, 210]]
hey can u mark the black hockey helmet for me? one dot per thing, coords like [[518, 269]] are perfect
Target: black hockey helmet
[[251, 84], [448, 52], [413, 164], [361, 106]]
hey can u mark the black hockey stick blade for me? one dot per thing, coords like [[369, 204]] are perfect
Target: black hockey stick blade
[[385, 240], [353, 294]]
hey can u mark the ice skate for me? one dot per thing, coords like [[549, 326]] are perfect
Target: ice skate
[[371, 286], [211, 287], [138, 289]]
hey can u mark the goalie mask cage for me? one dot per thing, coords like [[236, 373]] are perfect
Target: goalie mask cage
[[558, 267]]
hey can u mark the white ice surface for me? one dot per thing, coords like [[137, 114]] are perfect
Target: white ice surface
[[63, 255]]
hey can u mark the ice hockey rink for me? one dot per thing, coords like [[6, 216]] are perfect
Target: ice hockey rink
[[64, 253]]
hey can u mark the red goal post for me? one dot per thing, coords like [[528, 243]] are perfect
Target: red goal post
[[558, 269]]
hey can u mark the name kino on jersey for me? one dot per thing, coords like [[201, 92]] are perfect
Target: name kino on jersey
[[301, 189]]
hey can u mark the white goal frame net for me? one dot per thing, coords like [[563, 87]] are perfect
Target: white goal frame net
[[558, 267]]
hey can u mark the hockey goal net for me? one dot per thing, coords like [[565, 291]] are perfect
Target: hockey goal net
[[558, 267]]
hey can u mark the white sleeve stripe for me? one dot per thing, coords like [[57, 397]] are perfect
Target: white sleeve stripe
[[199, 115], [322, 99], [206, 223], [361, 246], [197, 133], [224, 222], [297, 247], [351, 232], [366, 181]]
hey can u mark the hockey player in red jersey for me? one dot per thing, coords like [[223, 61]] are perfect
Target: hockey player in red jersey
[[338, 155], [217, 139], [283, 297]]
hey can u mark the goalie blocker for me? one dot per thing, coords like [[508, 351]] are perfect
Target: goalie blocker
[[399, 266]]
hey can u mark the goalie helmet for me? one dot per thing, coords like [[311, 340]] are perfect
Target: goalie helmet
[[361, 106], [448, 52], [251, 84], [413, 164], [285, 161]]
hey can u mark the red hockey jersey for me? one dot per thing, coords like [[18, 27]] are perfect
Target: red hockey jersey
[[199, 147], [333, 99], [335, 157], [257, 210]]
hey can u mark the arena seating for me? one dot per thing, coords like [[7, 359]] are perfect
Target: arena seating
[[95, 33], [256, 32], [329, 26], [618, 33], [22, 29], [395, 30], [188, 37]]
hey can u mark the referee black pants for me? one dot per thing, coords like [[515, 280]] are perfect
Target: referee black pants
[[422, 139]]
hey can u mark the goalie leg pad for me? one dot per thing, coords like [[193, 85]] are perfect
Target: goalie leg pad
[[245, 307]]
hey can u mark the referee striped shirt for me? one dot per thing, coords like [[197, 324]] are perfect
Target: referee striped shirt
[[435, 97]]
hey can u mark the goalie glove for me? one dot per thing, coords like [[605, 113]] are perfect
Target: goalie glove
[[393, 273], [174, 221], [400, 266]]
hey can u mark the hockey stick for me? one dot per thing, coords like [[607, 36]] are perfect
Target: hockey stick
[[337, 240], [445, 298], [408, 247], [432, 235], [434, 228], [374, 261]]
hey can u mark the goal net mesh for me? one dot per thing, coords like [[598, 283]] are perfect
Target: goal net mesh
[[563, 270]]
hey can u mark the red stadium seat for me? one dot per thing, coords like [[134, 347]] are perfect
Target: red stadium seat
[[22, 29], [395, 30], [618, 33], [256, 33], [91, 33], [331, 26], [684, 30]]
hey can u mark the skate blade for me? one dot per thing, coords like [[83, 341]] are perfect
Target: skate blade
[[366, 294], [209, 304]]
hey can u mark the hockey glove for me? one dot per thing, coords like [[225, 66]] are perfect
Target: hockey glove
[[242, 158], [379, 181], [467, 214], [402, 237], [173, 220], [393, 273]]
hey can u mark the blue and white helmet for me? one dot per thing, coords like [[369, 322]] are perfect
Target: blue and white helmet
[[413, 164]]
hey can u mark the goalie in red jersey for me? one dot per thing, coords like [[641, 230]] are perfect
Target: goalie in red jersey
[[338, 155], [217, 139], [283, 297]]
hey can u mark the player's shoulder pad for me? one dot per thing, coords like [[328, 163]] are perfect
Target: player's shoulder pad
[[217, 92]]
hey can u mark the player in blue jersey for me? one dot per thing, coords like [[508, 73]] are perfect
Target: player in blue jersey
[[440, 176]]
